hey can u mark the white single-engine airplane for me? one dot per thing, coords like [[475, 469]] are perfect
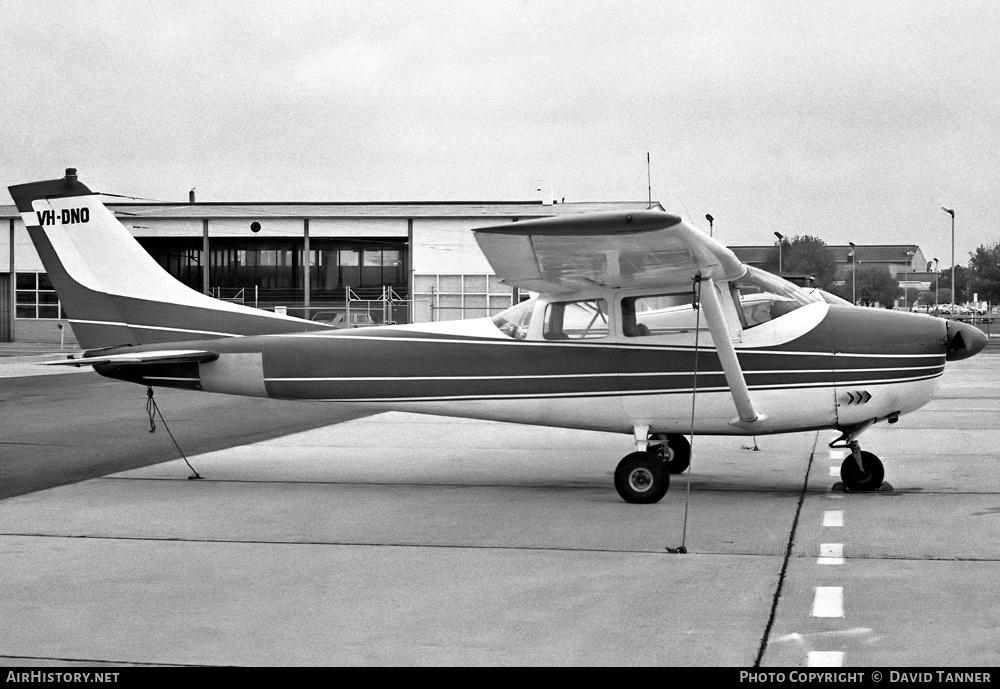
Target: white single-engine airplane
[[636, 314]]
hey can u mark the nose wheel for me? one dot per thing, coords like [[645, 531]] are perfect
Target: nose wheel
[[862, 471]]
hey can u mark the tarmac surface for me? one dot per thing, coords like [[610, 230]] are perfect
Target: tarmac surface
[[322, 538]]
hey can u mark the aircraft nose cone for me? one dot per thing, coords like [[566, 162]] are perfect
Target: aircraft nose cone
[[964, 340]]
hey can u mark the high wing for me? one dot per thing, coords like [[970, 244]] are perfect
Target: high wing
[[169, 356], [572, 252], [623, 250]]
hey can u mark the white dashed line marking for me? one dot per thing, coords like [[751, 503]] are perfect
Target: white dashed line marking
[[829, 601], [831, 554], [825, 659]]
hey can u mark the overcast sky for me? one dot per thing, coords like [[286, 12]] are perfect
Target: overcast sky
[[851, 121]]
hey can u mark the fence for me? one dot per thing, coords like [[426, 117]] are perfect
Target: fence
[[235, 295]]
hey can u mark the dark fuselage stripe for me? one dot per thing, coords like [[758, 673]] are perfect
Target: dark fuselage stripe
[[289, 390], [646, 393]]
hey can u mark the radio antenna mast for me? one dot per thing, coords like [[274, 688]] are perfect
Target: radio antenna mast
[[649, 182]]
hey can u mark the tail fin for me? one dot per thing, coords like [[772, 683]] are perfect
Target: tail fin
[[113, 292]]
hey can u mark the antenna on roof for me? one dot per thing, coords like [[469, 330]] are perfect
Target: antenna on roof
[[547, 199], [649, 182]]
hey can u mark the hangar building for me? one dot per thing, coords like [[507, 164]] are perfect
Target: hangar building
[[398, 262]]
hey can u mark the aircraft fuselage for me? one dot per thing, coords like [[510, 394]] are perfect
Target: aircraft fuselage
[[854, 365]]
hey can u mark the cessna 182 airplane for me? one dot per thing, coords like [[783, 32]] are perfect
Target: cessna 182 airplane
[[637, 314]]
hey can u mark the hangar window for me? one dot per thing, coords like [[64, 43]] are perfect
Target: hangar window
[[36, 297], [452, 297], [276, 266], [576, 320]]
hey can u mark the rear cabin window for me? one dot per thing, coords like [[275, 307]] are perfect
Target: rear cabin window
[[659, 314], [576, 320]]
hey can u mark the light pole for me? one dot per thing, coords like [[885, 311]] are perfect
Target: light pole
[[937, 282], [906, 274], [781, 240], [951, 212], [710, 220], [854, 273]]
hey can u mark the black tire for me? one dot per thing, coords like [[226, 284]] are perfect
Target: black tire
[[858, 481], [678, 446], [641, 478]]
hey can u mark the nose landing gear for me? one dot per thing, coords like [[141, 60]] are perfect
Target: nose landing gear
[[861, 471]]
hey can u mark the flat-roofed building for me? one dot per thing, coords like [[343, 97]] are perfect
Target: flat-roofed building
[[400, 261]]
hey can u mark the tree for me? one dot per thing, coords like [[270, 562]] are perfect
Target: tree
[[926, 297], [843, 291], [875, 285], [961, 278], [804, 255], [910, 295], [984, 274]]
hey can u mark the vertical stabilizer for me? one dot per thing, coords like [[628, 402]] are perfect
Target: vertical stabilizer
[[112, 291]]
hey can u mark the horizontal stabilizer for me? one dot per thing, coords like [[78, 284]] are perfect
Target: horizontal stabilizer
[[167, 356]]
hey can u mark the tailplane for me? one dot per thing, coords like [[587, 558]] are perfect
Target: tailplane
[[112, 291]]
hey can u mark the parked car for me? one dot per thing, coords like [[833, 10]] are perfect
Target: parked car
[[960, 310]]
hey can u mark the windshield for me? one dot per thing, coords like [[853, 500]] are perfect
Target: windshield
[[514, 321], [761, 297], [829, 298]]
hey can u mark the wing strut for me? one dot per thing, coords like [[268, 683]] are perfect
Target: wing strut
[[748, 414]]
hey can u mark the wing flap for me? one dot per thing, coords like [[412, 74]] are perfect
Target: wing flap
[[573, 252], [167, 356]]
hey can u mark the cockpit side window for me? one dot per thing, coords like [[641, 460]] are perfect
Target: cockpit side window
[[658, 314], [760, 297], [576, 320], [515, 321]]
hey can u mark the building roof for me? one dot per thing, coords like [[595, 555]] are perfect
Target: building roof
[[919, 277], [875, 253], [866, 253], [751, 254], [395, 209]]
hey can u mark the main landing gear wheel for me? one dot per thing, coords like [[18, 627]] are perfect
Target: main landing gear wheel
[[676, 452], [858, 481], [642, 478]]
